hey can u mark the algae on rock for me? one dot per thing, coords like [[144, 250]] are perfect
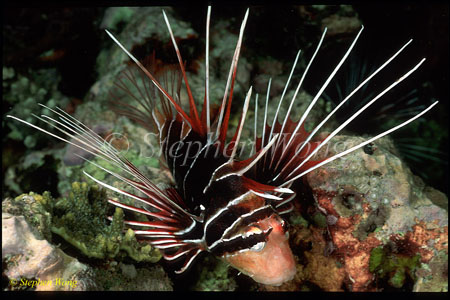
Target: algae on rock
[[80, 219], [394, 267], [36, 209]]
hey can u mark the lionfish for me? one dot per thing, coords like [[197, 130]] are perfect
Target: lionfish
[[229, 207]]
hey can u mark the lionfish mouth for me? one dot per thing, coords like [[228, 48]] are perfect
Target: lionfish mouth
[[229, 207], [270, 262]]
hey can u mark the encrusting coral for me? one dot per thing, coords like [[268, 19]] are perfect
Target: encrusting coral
[[36, 209], [81, 219]]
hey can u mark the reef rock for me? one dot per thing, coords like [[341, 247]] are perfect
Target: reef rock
[[36, 209], [123, 277], [34, 263], [364, 222], [382, 225]]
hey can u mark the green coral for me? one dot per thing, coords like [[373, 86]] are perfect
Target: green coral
[[81, 219], [393, 267]]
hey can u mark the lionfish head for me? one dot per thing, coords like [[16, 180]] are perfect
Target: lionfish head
[[247, 230], [270, 262]]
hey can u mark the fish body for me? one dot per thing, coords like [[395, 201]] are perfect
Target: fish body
[[218, 203], [235, 218], [239, 223]]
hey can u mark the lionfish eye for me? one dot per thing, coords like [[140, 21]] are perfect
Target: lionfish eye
[[284, 225]]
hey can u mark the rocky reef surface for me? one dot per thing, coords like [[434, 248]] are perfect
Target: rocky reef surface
[[371, 225], [364, 222], [31, 225]]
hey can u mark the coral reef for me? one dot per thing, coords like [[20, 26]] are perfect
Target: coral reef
[[21, 93], [382, 223], [32, 263], [80, 219], [433, 277], [315, 269], [36, 209], [383, 263], [379, 227]]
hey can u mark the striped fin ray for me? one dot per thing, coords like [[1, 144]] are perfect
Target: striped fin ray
[[200, 124], [315, 130], [301, 167], [165, 208], [232, 148], [192, 107], [206, 117], [139, 99], [223, 116], [177, 241], [330, 159], [158, 85], [291, 156], [84, 138]]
